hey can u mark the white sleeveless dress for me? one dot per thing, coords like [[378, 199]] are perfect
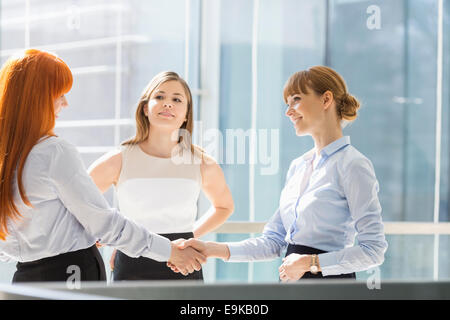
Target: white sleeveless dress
[[160, 194]]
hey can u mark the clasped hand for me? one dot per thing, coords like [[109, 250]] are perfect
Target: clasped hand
[[294, 267], [185, 260], [205, 249]]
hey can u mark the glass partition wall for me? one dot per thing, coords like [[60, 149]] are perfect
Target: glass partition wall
[[236, 56]]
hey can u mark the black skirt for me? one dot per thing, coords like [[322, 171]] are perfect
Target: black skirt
[[142, 268], [308, 275], [83, 265]]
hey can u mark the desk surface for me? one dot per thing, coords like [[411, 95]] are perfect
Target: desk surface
[[192, 290]]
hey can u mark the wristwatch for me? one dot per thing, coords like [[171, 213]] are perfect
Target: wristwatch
[[314, 268]]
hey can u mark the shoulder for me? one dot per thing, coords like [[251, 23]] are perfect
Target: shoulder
[[352, 161], [208, 162], [201, 157], [56, 158], [210, 169], [53, 148], [111, 160], [51, 143]]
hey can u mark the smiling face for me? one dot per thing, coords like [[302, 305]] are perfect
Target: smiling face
[[60, 103], [306, 112], [167, 106]]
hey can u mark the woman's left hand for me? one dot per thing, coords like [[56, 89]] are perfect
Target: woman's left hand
[[294, 267]]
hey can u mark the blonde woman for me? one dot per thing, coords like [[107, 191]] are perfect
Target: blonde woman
[[158, 176], [330, 196]]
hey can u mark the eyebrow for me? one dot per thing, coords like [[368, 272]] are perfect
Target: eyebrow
[[175, 94]]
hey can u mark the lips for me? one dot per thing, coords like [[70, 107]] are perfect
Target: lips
[[166, 114], [296, 119]]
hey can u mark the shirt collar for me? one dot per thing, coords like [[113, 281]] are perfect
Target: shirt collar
[[329, 149], [308, 156], [43, 138], [335, 146]]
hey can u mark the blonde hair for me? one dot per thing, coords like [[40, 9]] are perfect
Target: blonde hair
[[321, 79]]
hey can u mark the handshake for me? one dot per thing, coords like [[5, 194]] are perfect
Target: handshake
[[187, 256]]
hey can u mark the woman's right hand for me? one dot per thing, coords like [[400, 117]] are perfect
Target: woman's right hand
[[209, 249], [113, 257], [185, 260]]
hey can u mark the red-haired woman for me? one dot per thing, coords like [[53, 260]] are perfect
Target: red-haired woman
[[51, 212]]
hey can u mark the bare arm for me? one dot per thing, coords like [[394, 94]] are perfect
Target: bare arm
[[105, 171], [216, 190]]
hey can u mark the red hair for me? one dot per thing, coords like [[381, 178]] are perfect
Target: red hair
[[29, 85]]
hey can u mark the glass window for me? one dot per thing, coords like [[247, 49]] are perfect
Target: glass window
[[385, 69], [387, 51], [444, 212], [114, 48]]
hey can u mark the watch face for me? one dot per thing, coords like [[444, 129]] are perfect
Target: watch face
[[314, 269]]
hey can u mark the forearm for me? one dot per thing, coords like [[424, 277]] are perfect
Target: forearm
[[256, 249], [217, 250], [82, 199], [211, 221], [353, 259]]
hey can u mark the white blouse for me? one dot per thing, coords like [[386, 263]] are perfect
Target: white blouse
[[326, 203], [69, 212]]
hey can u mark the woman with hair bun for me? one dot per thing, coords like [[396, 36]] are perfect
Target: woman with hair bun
[[330, 196], [51, 212]]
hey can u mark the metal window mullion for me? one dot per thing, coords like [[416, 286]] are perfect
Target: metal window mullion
[[27, 24], [187, 29], [253, 128], [118, 88], [437, 186], [208, 108]]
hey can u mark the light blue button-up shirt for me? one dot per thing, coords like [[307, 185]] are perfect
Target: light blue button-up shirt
[[68, 211], [339, 203]]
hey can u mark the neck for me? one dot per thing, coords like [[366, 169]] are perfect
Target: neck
[[159, 143], [325, 137]]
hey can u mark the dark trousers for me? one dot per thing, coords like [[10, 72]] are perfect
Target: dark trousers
[[141, 268], [308, 275], [83, 265]]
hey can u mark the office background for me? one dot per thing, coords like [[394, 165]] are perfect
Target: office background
[[236, 56]]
